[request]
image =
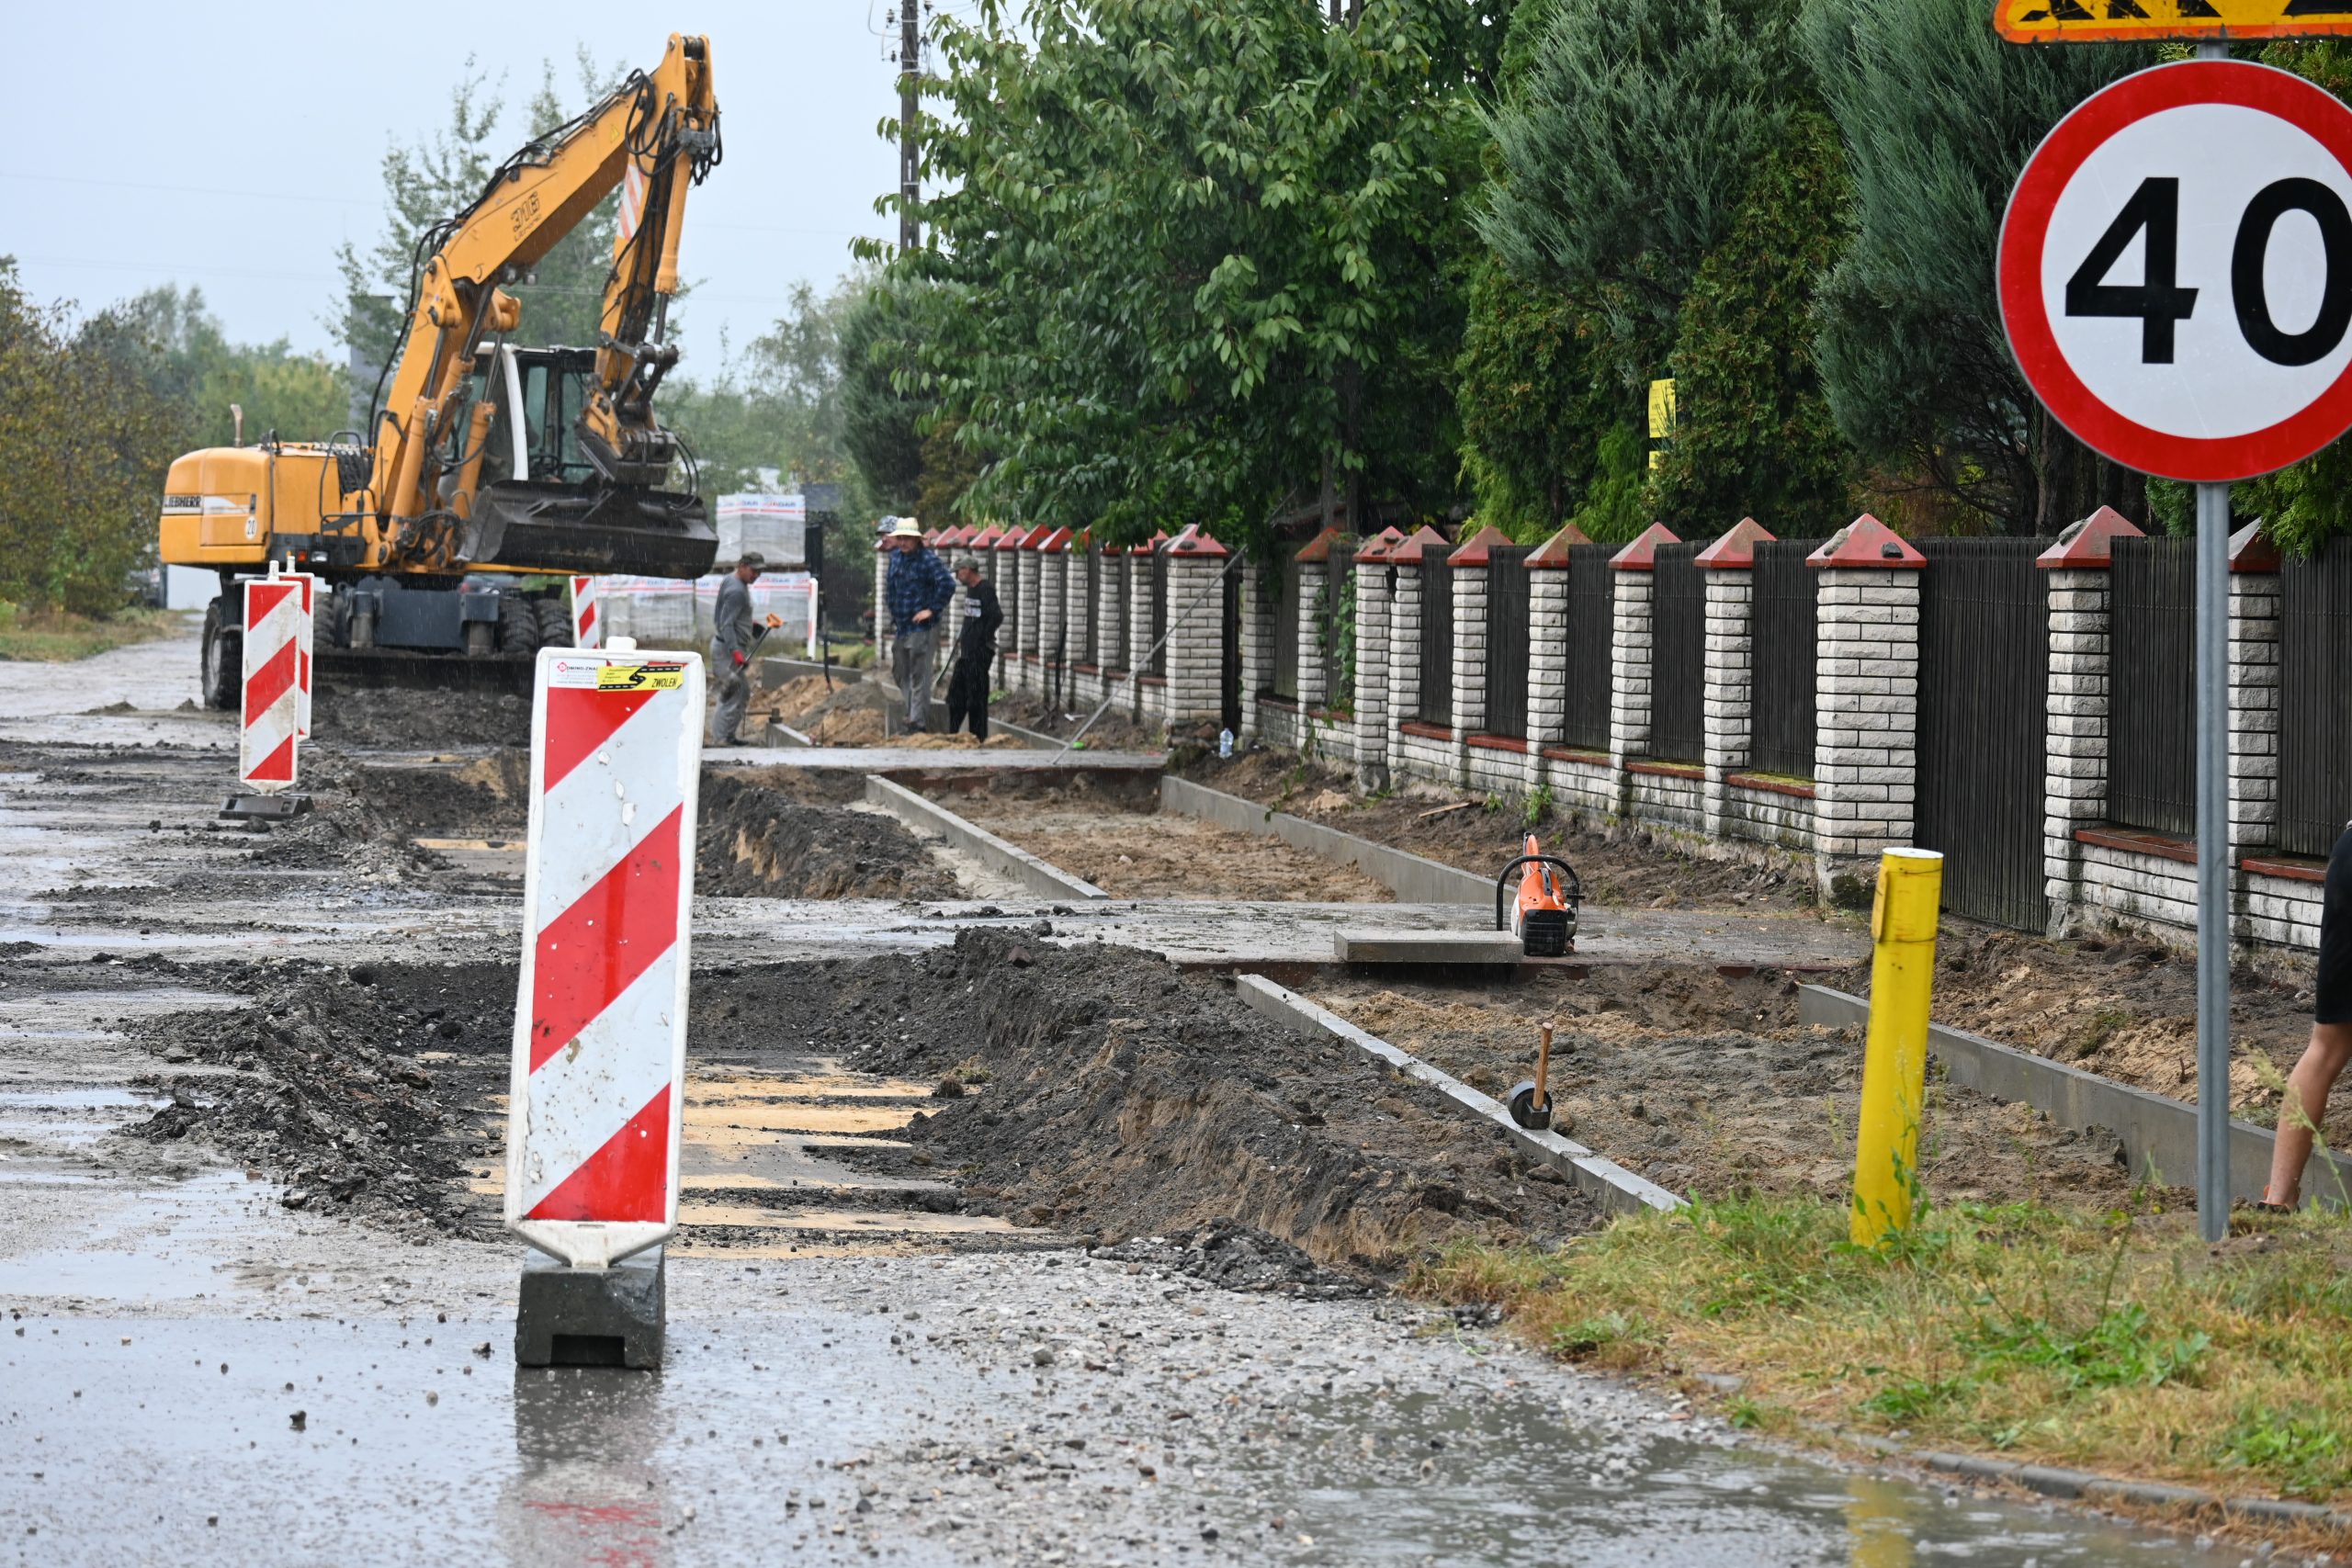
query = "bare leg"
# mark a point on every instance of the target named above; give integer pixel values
(2323, 1060)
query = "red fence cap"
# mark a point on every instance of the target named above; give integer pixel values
(1869, 544)
(1415, 547)
(1642, 554)
(1738, 547)
(1319, 548)
(2089, 542)
(1010, 539)
(1553, 553)
(2253, 549)
(1478, 548)
(1192, 542)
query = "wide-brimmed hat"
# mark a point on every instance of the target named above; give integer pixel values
(906, 528)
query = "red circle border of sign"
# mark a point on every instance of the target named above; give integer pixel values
(2025, 226)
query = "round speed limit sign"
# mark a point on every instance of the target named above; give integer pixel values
(2175, 270)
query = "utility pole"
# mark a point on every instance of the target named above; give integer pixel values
(909, 150)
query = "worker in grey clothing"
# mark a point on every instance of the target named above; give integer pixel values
(732, 638)
(914, 593)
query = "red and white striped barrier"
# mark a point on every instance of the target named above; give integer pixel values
(277, 629)
(600, 1027)
(585, 631)
(306, 635)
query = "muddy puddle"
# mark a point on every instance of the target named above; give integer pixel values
(1111, 832)
(1707, 1084)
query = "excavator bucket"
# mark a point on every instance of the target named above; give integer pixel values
(536, 526)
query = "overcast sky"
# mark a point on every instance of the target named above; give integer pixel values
(233, 147)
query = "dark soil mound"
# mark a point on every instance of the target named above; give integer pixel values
(756, 841)
(357, 1088)
(349, 827)
(1124, 1099)
(488, 797)
(395, 718)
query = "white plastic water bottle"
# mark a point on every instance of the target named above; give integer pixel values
(1224, 743)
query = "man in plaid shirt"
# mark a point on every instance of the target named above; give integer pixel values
(917, 589)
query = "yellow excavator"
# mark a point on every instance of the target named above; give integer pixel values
(486, 461)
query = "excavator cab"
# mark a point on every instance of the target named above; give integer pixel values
(543, 504)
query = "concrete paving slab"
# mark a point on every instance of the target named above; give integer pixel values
(930, 759)
(1360, 946)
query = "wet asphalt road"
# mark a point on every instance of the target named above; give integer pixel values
(190, 1374)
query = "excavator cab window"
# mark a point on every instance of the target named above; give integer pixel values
(543, 396)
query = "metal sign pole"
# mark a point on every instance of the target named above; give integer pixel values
(2213, 843)
(2213, 861)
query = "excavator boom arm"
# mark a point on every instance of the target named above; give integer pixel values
(651, 138)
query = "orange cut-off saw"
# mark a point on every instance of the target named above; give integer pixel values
(1544, 914)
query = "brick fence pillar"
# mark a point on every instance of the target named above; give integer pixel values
(1196, 566)
(1404, 649)
(1312, 576)
(1019, 613)
(1077, 561)
(1048, 556)
(1630, 648)
(1729, 572)
(2254, 694)
(1374, 644)
(1257, 644)
(2074, 789)
(1110, 612)
(1866, 700)
(1547, 646)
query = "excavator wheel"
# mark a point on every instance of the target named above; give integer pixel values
(518, 626)
(554, 623)
(321, 618)
(221, 669)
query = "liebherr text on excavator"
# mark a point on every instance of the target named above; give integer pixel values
(485, 460)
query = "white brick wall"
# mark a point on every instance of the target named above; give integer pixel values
(1373, 728)
(1196, 640)
(1053, 573)
(1110, 611)
(1404, 661)
(1311, 576)
(2074, 771)
(1630, 646)
(1675, 802)
(1729, 678)
(1866, 695)
(2253, 712)
(1470, 648)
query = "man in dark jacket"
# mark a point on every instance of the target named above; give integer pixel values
(968, 684)
(916, 590)
(734, 633)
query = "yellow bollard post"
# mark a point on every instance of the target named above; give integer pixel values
(1894, 1059)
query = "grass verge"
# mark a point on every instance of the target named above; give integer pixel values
(55, 636)
(2110, 1342)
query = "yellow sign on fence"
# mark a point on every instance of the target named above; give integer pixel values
(2095, 21)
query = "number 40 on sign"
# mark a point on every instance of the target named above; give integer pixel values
(2175, 270)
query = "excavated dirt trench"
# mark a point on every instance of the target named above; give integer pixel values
(1708, 1084)
(1114, 835)
(1092, 1092)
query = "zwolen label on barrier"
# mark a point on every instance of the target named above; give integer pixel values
(272, 707)
(600, 1026)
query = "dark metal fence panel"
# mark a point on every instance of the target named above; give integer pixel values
(2152, 687)
(1285, 621)
(1506, 633)
(2316, 700)
(1678, 655)
(1590, 636)
(1335, 627)
(1783, 632)
(1159, 610)
(1089, 639)
(1437, 643)
(1983, 686)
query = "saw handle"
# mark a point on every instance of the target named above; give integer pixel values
(1544, 1065)
(1571, 890)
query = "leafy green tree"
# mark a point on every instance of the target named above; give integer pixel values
(178, 346)
(1534, 390)
(1938, 115)
(1186, 257)
(1753, 432)
(878, 421)
(84, 439)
